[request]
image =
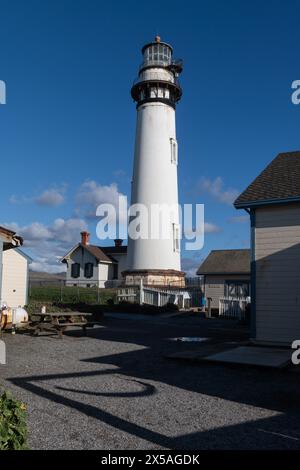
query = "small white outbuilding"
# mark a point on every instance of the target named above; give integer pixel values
(15, 277)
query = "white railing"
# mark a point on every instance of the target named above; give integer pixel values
(154, 296)
(232, 307)
(128, 294)
(161, 297)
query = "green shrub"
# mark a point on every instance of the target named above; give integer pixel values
(13, 430)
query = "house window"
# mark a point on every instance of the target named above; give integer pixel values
(176, 237)
(236, 289)
(88, 270)
(174, 151)
(115, 271)
(75, 270)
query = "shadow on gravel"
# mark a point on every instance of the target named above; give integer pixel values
(278, 391)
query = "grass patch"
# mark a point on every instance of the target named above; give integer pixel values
(71, 294)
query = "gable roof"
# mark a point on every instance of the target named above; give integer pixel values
(97, 252)
(226, 262)
(278, 182)
(9, 238)
(101, 253)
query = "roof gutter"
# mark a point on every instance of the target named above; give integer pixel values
(264, 202)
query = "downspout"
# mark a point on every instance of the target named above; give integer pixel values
(253, 276)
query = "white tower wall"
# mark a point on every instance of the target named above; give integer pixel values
(155, 182)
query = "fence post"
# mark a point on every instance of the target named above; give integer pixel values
(141, 292)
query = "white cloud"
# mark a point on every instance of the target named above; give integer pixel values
(51, 197)
(48, 243)
(216, 189)
(91, 194)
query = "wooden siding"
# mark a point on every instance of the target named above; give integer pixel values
(15, 278)
(277, 256)
(215, 286)
(82, 256)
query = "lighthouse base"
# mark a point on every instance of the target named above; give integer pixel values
(154, 277)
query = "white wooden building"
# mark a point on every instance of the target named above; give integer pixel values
(15, 279)
(273, 202)
(91, 265)
(8, 241)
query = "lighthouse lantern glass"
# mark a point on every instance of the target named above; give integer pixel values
(159, 54)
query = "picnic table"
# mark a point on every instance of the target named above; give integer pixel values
(59, 322)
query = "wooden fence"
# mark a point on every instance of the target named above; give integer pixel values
(232, 307)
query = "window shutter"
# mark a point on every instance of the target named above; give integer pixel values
(88, 270)
(75, 270)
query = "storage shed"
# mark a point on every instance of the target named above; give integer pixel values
(15, 277)
(273, 202)
(226, 274)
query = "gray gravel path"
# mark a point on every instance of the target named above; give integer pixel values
(115, 389)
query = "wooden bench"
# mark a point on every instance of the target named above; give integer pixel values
(59, 322)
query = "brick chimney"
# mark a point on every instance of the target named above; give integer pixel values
(85, 238)
(118, 242)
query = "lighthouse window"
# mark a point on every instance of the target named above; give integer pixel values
(176, 237)
(174, 151)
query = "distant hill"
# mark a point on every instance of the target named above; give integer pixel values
(41, 276)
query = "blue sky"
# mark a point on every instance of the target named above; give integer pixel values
(67, 130)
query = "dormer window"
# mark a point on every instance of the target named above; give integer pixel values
(88, 270)
(174, 151)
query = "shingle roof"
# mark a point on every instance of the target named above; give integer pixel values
(279, 181)
(97, 252)
(226, 262)
(114, 250)
(101, 253)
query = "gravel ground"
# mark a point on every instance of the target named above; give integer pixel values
(115, 389)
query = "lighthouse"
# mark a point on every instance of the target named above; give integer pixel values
(156, 259)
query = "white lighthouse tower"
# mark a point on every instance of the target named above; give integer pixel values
(154, 184)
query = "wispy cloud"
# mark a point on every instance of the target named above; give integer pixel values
(239, 219)
(119, 173)
(209, 227)
(217, 190)
(49, 197)
(190, 265)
